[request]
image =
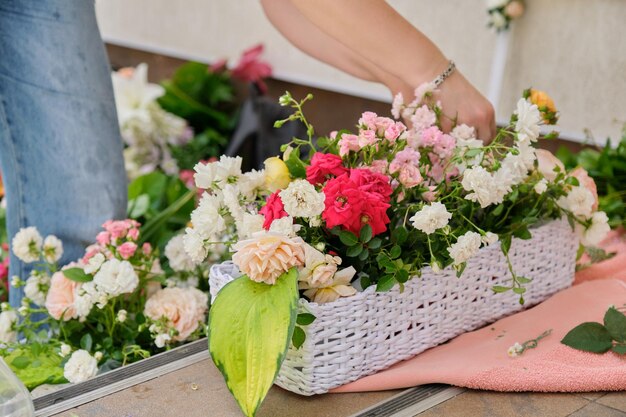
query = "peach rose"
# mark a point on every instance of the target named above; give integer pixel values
(514, 9)
(184, 309)
(60, 298)
(586, 181)
(266, 256)
(547, 162)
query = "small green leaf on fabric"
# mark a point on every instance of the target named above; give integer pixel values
(590, 337)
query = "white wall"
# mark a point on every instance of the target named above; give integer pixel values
(574, 49)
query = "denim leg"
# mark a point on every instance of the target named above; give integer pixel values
(60, 146)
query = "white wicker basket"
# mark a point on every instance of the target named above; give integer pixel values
(360, 335)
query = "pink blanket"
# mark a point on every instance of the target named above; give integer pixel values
(479, 359)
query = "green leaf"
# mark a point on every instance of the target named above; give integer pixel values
(298, 338)
(364, 255)
(385, 283)
(295, 165)
(522, 233)
(49, 370)
(619, 349)
(348, 238)
(250, 327)
(395, 252)
(399, 235)
(519, 290)
(500, 288)
(590, 337)
(354, 251)
(374, 243)
(402, 276)
(86, 342)
(523, 280)
(21, 362)
(473, 152)
(305, 319)
(77, 275)
(366, 233)
(615, 323)
(505, 244)
(498, 210)
(137, 207)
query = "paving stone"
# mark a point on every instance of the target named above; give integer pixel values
(615, 400)
(490, 404)
(591, 396)
(597, 410)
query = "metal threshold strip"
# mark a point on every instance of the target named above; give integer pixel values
(411, 402)
(121, 378)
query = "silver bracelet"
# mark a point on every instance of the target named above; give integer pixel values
(445, 74)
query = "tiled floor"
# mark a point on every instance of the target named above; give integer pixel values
(199, 390)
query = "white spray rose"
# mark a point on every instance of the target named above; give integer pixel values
(27, 244)
(116, 277)
(431, 218)
(465, 247)
(81, 367)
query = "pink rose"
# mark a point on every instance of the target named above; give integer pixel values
(379, 165)
(133, 234)
(103, 238)
(348, 142)
(251, 68)
(61, 296)
(547, 163)
(372, 182)
(410, 176)
(368, 120)
(117, 229)
(273, 209)
(324, 166)
(184, 308)
(127, 249)
(393, 132)
(146, 249)
(586, 181)
(367, 138)
(407, 156)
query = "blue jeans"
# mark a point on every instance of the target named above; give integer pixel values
(60, 145)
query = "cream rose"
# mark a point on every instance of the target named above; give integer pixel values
(61, 297)
(319, 269)
(184, 309)
(266, 256)
(586, 181)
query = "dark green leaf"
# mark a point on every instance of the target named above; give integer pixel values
(364, 255)
(505, 244)
(304, 319)
(590, 337)
(86, 342)
(399, 235)
(402, 276)
(522, 233)
(395, 252)
(619, 349)
(498, 210)
(295, 165)
(615, 323)
(298, 338)
(374, 243)
(348, 238)
(77, 275)
(385, 283)
(354, 251)
(366, 233)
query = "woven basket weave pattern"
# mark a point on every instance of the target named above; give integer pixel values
(360, 335)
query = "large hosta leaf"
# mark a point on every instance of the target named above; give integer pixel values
(250, 328)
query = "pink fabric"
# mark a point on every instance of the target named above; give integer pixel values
(479, 359)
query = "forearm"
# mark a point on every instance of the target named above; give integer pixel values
(385, 32)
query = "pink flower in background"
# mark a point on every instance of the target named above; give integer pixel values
(347, 143)
(410, 176)
(407, 156)
(393, 132)
(380, 166)
(133, 233)
(183, 308)
(219, 65)
(273, 209)
(430, 137)
(146, 248)
(368, 119)
(127, 249)
(103, 238)
(251, 69)
(445, 146)
(423, 118)
(367, 138)
(4, 270)
(430, 195)
(324, 166)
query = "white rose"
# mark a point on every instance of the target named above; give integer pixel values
(541, 186)
(8, 319)
(27, 244)
(490, 238)
(94, 263)
(205, 174)
(35, 288)
(65, 350)
(250, 224)
(121, 316)
(528, 120)
(161, 339)
(465, 247)
(284, 226)
(175, 253)
(319, 269)
(431, 217)
(206, 218)
(116, 277)
(194, 245)
(482, 186)
(52, 249)
(595, 233)
(81, 367)
(302, 200)
(579, 201)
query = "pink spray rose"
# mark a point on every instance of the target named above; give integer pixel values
(60, 298)
(586, 181)
(127, 249)
(103, 238)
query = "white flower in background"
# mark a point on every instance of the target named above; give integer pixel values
(122, 315)
(116, 277)
(23, 310)
(541, 186)
(465, 247)
(65, 350)
(319, 269)
(98, 356)
(431, 217)
(579, 201)
(177, 257)
(205, 175)
(8, 318)
(133, 93)
(496, 4)
(466, 137)
(206, 218)
(161, 339)
(302, 200)
(52, 249)
(27, 244)
(250, 224)
(424, 89)
(482, 186)
(81, 367)
(36, 287)
(497, 19)
(194, 245)
(251, 183)
(338, 287)
(490, 238)
(230, 195)
(228, 169)
(595, 233)
(528, 120)
(284, 226)
(94, 263)
(515, 350)
(396, 105)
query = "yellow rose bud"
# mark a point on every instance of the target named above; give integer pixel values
(546, 105)
(276, 174)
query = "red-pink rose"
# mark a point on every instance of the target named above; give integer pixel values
(127, 249)
(273, 209)
(344, 203)
(372, 182)
(323, 167)
(374, 214)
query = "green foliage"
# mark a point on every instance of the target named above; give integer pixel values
(599, 338)
(36, 364)
(250, 327)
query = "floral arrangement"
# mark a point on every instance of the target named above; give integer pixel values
(374, 207)
(171, 126)
(103, 311)
(503, 12)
